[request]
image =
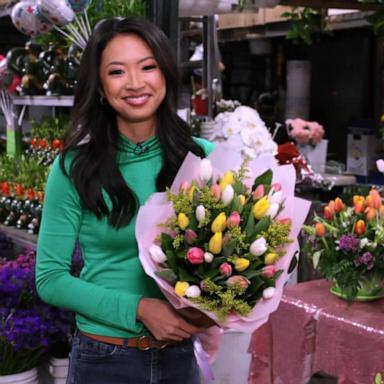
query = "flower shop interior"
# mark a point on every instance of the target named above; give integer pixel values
(300, 81)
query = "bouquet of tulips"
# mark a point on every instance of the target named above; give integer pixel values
(222, 241)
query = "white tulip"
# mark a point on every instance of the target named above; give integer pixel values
(258, 247)
(205, 172)
(193, 291)
(276, 197)
(200, 213)
(157, 254)
(268, 293)
(208, 257)
(272, 210)
(380, 165)
(227, 195)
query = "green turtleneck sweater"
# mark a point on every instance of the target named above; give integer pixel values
(112, 281)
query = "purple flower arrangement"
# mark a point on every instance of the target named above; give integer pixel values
(29, 328)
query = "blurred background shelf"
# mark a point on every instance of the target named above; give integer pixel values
(19, 236)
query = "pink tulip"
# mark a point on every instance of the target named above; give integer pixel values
(225, 269)
(216, 192)
(276, 187)
(233, 220)
(268, 271)
(190, 236)
(184, 187)
(195, 255)
(259, 192)
(238, 281)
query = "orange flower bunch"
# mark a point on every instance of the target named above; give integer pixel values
(347, 242)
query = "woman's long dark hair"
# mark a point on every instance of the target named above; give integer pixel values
(94, 136)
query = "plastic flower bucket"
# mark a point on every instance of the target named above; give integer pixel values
(27, 377)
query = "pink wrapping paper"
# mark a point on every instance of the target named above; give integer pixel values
(157, 210)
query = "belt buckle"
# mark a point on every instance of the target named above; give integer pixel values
(146, 340)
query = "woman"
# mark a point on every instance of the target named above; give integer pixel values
(127, 143)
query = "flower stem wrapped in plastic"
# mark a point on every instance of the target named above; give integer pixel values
(222, 238)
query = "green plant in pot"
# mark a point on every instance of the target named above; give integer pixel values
(346, 244)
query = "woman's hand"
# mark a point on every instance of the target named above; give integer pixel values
(196, 317)
(162, 320)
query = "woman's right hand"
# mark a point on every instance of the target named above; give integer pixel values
(162, 320)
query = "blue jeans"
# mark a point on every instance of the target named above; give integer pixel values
(93, 362)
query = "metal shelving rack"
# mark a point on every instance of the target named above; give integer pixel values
(19, 236)
(44, 101)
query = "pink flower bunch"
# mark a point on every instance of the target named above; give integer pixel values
(305, 132)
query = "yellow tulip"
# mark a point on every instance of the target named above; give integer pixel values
(181, 288)
(242, 199)
(191, 193)
(241, 264)
(219, 224)
(260, 208)
(216, 243)
(270, 258)
(227, 179)
(182, 220)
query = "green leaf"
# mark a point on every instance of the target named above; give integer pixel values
(229, 247)
(265, 178)
(184, 275)
(262, 225)
(238, 187)
(181, 253)
(167, 275)
(316, 258)
(250, 225)
(172, 260)
(166, 242)
(217, 261)
(249, 274)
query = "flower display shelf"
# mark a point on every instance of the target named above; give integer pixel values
(341, 4)
(19, 236)
(49, 101)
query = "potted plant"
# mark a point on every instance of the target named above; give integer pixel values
(29, 328)
(346, 244)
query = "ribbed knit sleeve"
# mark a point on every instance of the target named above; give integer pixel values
(59, 231)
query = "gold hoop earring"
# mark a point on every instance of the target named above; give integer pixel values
(103, 100)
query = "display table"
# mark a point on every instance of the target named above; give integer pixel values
(313, 331)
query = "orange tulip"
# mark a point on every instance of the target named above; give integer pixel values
(374, 199)
(370, 213)
(339, 205)
(328, 214)
(360, 227)
(359, 203)
(320, 229)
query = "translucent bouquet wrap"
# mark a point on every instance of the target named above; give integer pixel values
(222, 238)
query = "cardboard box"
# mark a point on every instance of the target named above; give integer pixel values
(241, 19)
(273, 15)
(362, 151)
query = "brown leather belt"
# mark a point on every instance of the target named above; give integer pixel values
(143, 342)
